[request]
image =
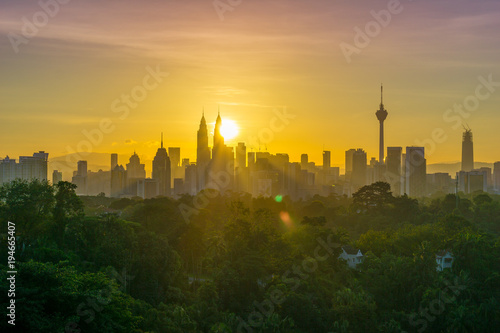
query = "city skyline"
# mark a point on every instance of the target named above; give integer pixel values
(250, 71)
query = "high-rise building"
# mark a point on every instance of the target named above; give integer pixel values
(80, 178)
(202, 154)
(496, 176)
(359, 167)
(162, 171)
(28, 168)
(241, 155)
(114, 161)
(467, 151)
(348, 163)
(393, 174)
(175, 163)
(416, 172)
(118, 181)
(221, 169)
(56, 177)
(304, 160)
(381, 116)
(135, 172)
(472, 181)
(326, 160)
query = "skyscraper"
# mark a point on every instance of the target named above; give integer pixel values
(56, 177)
(467, 151)
(114, 161)
(348, 162)
(496, 176)
(326, 160)
(416, 172)
(381, 116)
(176, 171)
(161, 170)
(393, 174)
(135, 172)
(359, 167)
(202, 154)
(80, 178)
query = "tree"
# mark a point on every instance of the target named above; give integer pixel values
(374, 197)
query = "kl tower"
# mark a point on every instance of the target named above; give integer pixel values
(381, 115)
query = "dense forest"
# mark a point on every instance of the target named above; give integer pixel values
(233, 263)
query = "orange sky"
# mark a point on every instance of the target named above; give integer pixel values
(264, 56)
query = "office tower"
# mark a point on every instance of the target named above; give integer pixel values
(148, 188)
(178, 187)
(304, 160)
(488, 172)
(359, 167)
(118, 181)
(393, 165)
(33, 167)
(9, 170)
(56, 177)
(202, 154)
(381, 116)
(467, 151)
(241, 155)
(175, 163)
(416, 170)
(496, 176)
(190, 174)
(348, 163)
(161, 170)
(114, 161)
(80, 178)
(185, 163)
(472, 181)
(222, 163)
(82, 168)
(326, 160)
(135, 172)
(251, 160)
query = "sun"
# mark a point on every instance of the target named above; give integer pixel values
(229, 129)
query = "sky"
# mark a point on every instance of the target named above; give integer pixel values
(319, 62)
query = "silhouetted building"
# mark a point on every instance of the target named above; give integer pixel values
(178, 187)
(148, 188)
(440, 182)
(202, 154)
(135, 172)
(114, 161)
(393, 169)
(467, 151)
(326, 159)
(118, 181)
(304, 160)
(381, 116)
(496, 175)
(56, 177)
(348, 162)
(99, 182)
(221, 169)
(161, 170)
(80, 178)
(359, 167)
(472, 181)
(175, 163)
(190, 175)
(28, 168)
(416, 171)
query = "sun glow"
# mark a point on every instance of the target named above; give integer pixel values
(229, 129)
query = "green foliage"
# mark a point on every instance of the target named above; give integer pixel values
(239, 263)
